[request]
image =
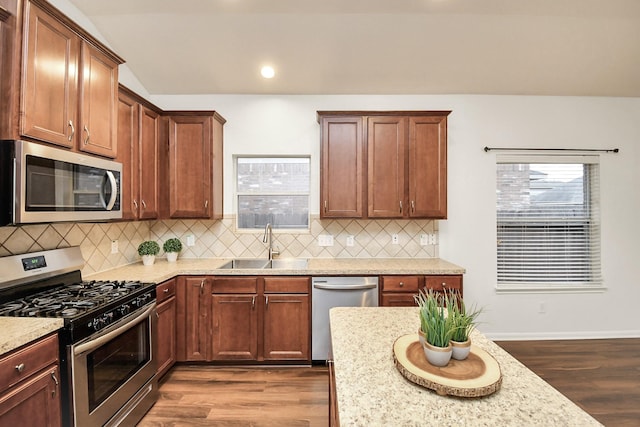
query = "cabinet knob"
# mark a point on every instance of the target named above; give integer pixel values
(401, 284)
(20, 367)
(444, 285)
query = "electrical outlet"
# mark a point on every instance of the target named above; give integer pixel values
(394, 239)
(351, 240)
(191, 240)
(114, 246)
(432, 239)
(325, 240)
(424, 240)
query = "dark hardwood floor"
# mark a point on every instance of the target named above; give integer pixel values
(201, 395)
(600, 376)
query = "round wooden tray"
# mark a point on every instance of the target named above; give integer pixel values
(478, 375)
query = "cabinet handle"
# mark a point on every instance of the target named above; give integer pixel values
(20, 368)
(86, 129)
(266, 301)
(166, 291)
(401, 284)
(144, 205)
(325, 206)
(253, 302)
(55, 380)
(400, 206)
(444, 285)
(73, 131)
(202, 287)
(206, 204)
(135, 204)
(413, 206)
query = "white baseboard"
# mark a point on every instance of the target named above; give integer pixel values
(532, 336)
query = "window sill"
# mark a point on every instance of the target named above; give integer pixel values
(550, 289)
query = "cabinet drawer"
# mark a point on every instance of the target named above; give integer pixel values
(291, 285)
(397, 300)
(441, 283)
(400, 283)
(165, 290)
(234, 285)
(27, 361)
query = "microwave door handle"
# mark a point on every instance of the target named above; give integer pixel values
(114, 190)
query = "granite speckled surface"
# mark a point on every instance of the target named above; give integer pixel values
(17, 332)
(163, 270)
(371, 391)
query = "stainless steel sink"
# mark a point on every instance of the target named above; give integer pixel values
(262, 263)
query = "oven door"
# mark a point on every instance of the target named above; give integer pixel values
(113, 373)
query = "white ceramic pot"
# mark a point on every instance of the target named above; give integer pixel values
(437, 356)
(461, 350)
(421, 337)
(148, 259)
(172, 256)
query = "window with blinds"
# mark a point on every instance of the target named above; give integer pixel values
(548, 224)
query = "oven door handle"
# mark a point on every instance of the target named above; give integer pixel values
(95, 343)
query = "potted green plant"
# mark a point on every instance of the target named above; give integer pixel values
(437, 327)
(148, 251)
(172, 247)
(463, 320)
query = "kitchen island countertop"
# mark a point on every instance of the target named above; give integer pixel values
(163, 270)
(371, 391)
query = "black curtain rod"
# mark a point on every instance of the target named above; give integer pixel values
(610, 150)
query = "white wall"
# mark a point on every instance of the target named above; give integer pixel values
(287, 124)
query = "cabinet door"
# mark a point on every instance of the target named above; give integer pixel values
(428, 167)
(194, 315)
(98, 102)
(128, 155)
(342, 167)
(166, 338)
(49, 106)
(190, 158)
(34, 402)
(235, 327)
(286, 327)
(386, 144)
(148, 162)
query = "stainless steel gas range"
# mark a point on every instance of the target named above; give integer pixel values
(106, 344)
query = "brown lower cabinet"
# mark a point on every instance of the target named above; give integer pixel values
(398, 290)
(244, 318)
(30, 385)
(166, 337)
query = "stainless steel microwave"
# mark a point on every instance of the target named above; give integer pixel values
(40, 183)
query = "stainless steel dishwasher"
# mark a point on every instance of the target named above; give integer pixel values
(329, 292)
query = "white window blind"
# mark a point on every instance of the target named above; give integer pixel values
(548, 224)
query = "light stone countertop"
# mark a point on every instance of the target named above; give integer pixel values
(163, 270)
(18, 331)
(371, 391)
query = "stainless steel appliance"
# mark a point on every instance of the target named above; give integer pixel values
(106, 345)
(40, 183)
(329, 292)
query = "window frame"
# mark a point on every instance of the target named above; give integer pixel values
(237, 194)
(592, 189)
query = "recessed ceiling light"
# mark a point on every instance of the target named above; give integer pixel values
(267, 72)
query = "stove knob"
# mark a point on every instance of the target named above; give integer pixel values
(98, 324)
(125, 309)
(107, 318)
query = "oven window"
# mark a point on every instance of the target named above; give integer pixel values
(111, 365)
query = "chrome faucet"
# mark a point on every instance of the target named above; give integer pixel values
(268, 237)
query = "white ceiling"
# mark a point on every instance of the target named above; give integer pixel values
(532, 47)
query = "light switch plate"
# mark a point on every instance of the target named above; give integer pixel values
(114, 246)
(424, 239)
(351, 240)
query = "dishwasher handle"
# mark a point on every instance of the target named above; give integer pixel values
(343, 287)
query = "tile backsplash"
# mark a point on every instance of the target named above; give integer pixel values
(219, 238)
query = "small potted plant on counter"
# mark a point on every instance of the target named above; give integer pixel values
(172, 247)
(463, 320)
(437, 326)
(148, 251)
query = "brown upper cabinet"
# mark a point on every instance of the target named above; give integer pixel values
(138, 145)
(392, 162)
(195, 164)
(68, 83)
